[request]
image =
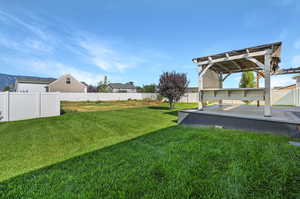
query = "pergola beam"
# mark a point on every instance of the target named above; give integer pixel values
(226, 76)
(223, 67)
(258, 63)
(203, 71)
(230, 58)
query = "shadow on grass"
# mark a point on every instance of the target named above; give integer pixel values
(159, 107)
(170, 111)
(105, 161)
(148, 164)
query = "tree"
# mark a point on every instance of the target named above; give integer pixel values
(92, 89)
(139, 89)
(6, 88)
(247, 81)
(130, 83)
(172, 85)
(151, 88)
(102, 88)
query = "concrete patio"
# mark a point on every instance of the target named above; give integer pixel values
(285, 120)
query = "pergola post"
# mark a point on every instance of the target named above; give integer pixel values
(267, 68)
(220, 86)
(200, 87)
(257, 86)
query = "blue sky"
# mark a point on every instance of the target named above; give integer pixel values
(136, 41)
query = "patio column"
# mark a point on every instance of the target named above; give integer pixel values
(267, 68)
(220, 86)
(200, 87)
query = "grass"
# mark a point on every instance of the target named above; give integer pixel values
(142, 153)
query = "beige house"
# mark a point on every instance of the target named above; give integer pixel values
(67, 83)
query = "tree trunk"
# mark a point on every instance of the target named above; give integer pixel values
(171, 104)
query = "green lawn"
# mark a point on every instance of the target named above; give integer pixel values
(142, 153)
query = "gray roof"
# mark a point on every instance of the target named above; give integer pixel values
(121, 86)
(35, 80)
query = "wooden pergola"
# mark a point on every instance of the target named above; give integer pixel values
(214, 69)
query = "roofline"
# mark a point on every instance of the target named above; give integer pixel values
(67, 75)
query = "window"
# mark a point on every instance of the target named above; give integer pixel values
(68, 80)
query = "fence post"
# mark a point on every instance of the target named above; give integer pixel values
(8, 106)
(40, 103)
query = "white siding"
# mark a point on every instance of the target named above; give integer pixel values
(117, 90)
(26, 87)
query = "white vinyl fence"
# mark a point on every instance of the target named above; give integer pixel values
(279, 97)
(75, 97)
(21, 106)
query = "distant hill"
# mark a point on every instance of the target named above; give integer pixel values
(9, 80)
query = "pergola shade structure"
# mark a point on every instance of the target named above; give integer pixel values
(214, 69)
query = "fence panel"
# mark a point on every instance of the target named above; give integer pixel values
(73, 97)
(4, 106)
(50, 104)
(279, 97)
(23, 106)
(20, 106)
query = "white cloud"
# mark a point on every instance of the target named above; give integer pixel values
(57, 69)
(107, 58)
(38, 46)
(10, 19)
(52, 68)
(42, 50)
(30, 46)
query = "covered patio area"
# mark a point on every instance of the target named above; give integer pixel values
(213, 70)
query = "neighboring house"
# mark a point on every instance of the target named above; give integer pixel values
(192, 90)
(121, 88)
(67, 83)
(32, 84)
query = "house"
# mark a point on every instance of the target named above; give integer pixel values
(32, 84)
(192, 90)
(121, 88)
(66, 83)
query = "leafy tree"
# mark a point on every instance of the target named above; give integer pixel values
(130, 83)
(151, 88)
(92, 89)
(247, 81)
(139, 89)
(6, 88)
(172, 85)
(102, 87)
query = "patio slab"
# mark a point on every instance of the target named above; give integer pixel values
(284, 121)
